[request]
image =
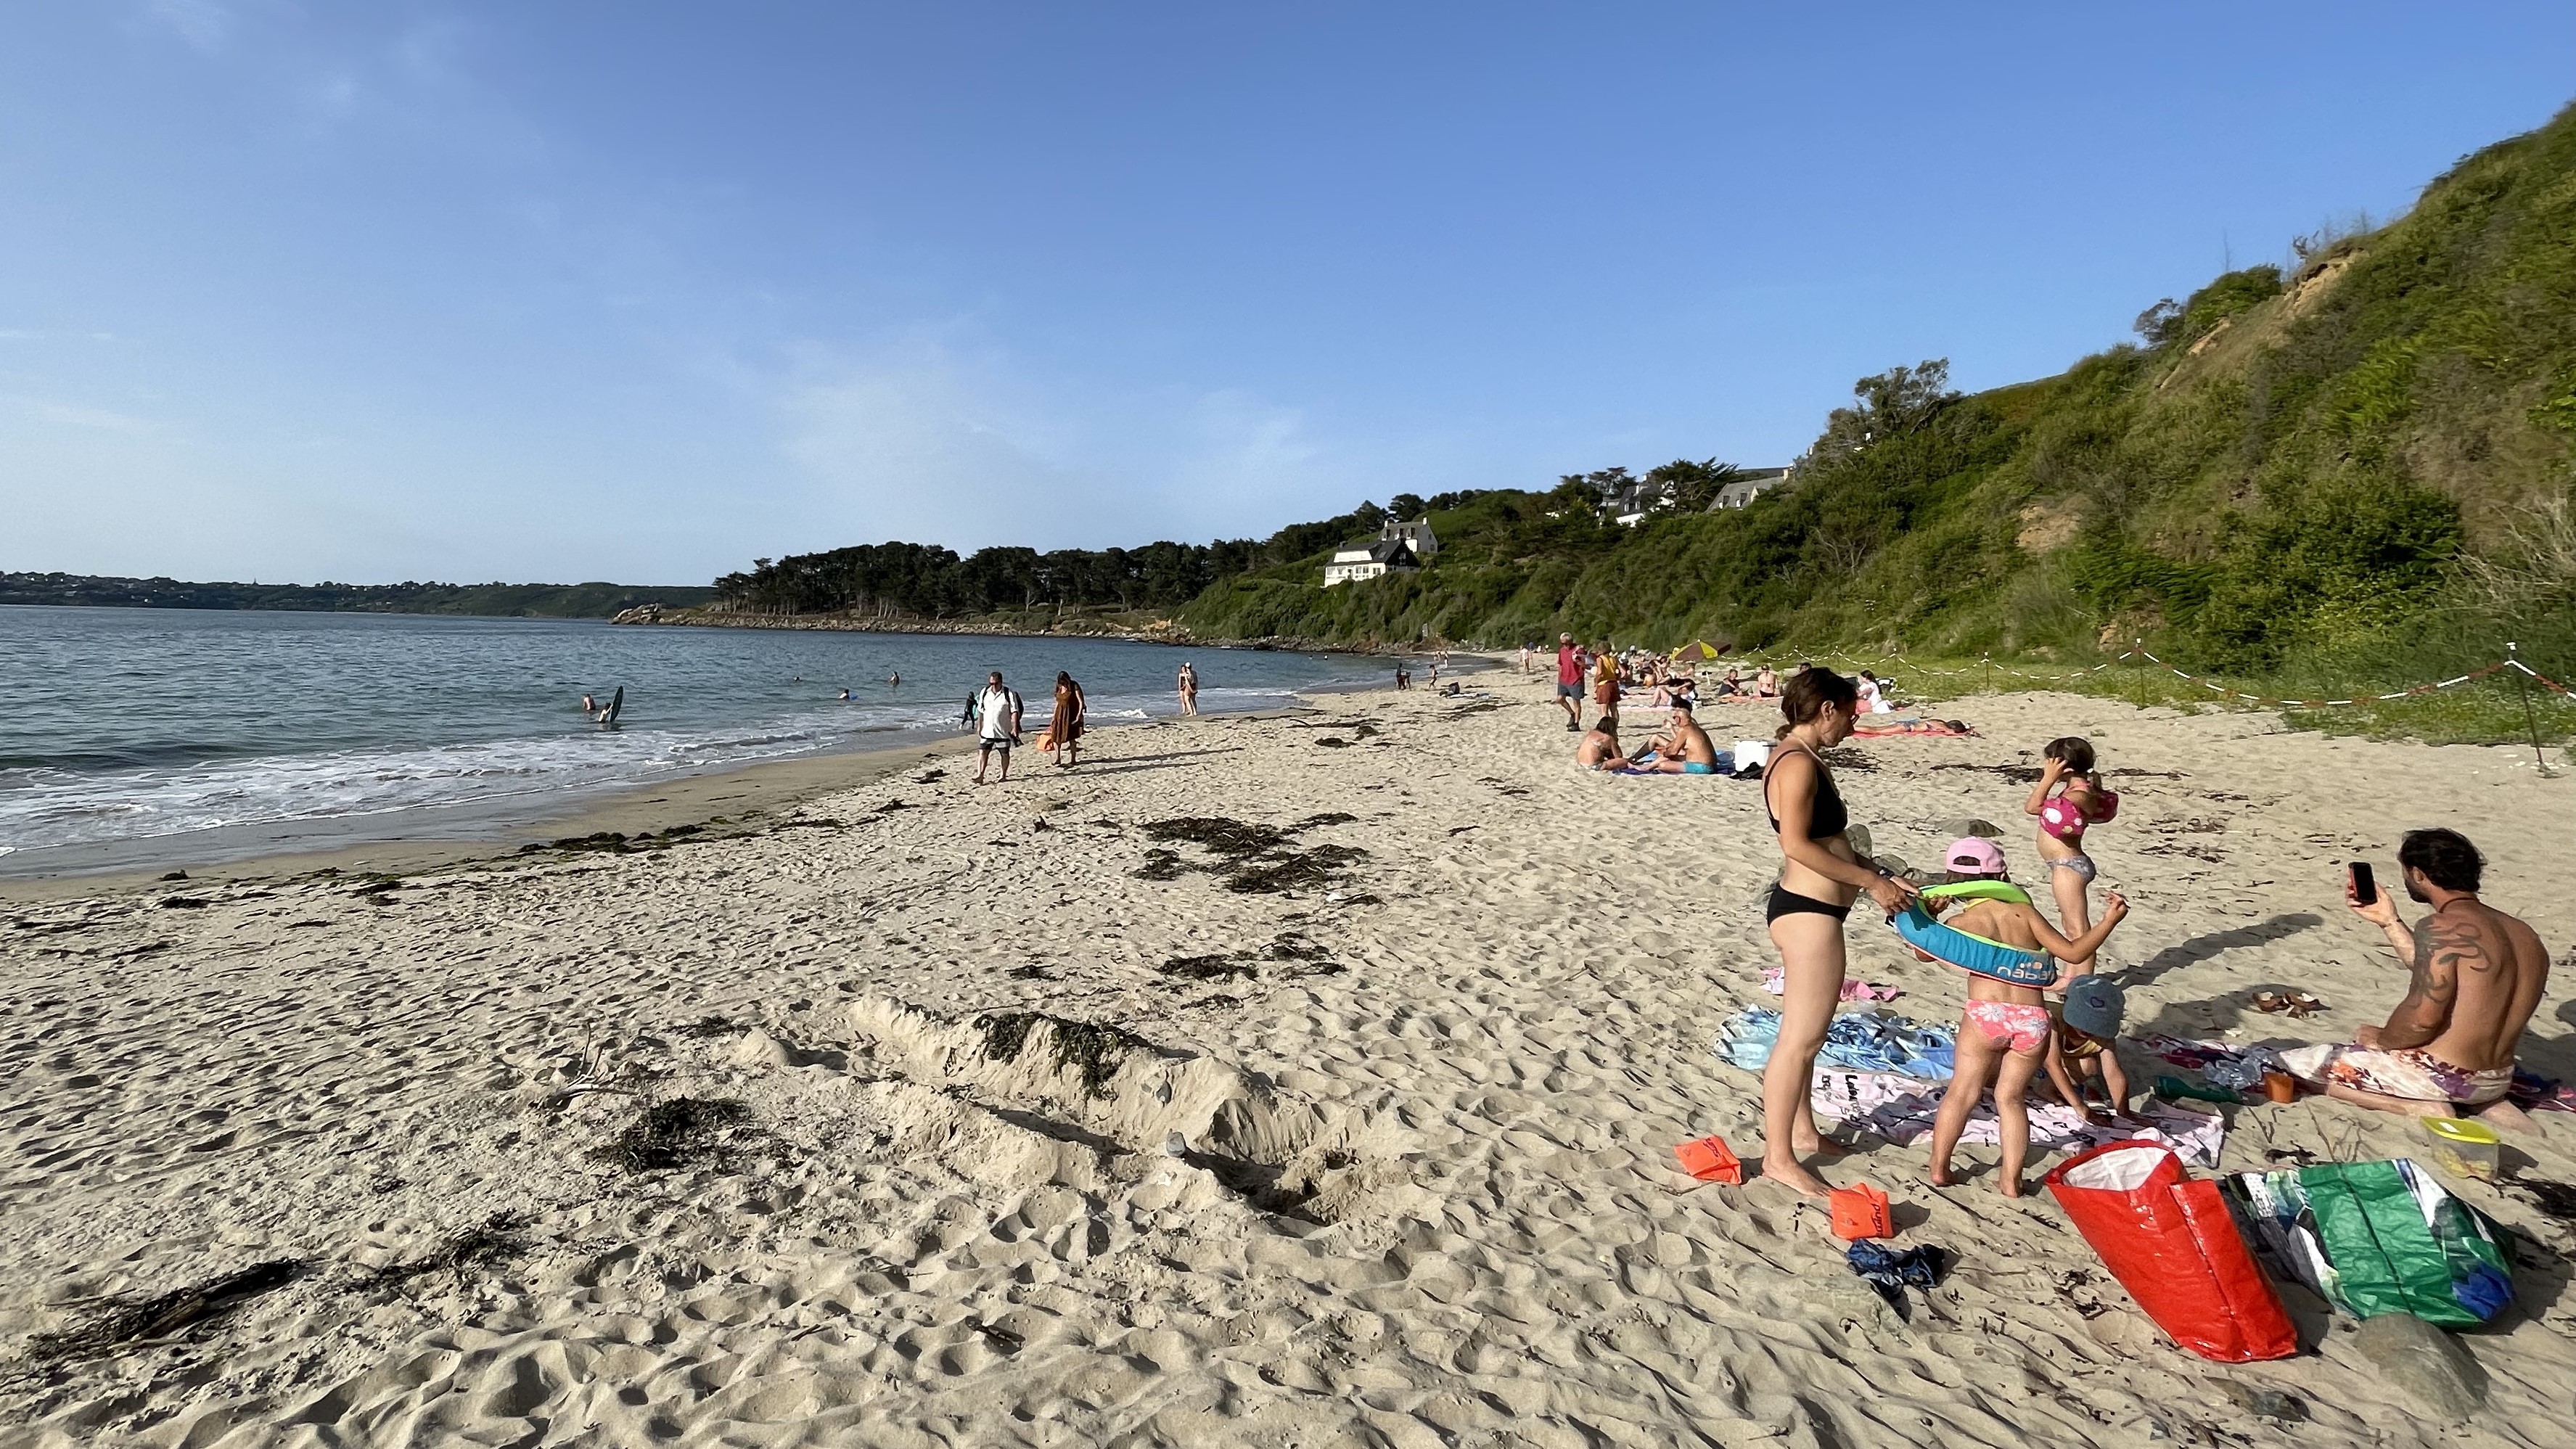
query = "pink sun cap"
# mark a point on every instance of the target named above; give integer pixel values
(1973, 855)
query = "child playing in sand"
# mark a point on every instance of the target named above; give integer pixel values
(2069, 797)
(2004, 1034)
(2086, 1050)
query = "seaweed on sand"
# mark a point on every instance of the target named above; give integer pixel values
(1088, 1047)
(1219, 967)
(1310, 869)
(1232, 839)
(1252, 858)
(674, 1133)
(491, 1242)
(133, 1321)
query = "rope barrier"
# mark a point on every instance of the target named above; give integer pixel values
(2140, 651)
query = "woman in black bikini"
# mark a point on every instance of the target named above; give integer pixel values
(1820, 877)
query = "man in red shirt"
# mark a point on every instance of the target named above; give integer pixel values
(1569, 681)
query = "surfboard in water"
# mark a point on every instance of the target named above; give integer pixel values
(616, 702)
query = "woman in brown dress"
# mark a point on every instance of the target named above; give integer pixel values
(1064, 735)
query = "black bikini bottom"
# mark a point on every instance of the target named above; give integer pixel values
(1786, 902)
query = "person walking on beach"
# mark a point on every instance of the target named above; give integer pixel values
(1064, 732)
(1527, 654)
(994, 711)
(1189, 686)
(1569, 682)
(1821, 875)
(2476, 976)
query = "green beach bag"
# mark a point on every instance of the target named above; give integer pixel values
(2377, 1237)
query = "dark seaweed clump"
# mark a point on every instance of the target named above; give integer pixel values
(1084, 1046)
(132, 1321)
(1252, 858)
(1219, 967)
(1232, 839)
(489, 1243)
(674, 1134)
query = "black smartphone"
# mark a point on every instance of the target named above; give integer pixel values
(2365, 890)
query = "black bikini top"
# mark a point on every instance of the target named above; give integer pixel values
(1828, 818)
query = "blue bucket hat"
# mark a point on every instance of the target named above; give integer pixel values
(2095, 1004)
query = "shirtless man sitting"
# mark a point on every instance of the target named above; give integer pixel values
(2477, 977)
(1682, 749)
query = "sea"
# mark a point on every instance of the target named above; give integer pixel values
(134, 735)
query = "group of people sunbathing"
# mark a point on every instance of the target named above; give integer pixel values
(2477, 974)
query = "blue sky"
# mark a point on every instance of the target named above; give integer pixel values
(559, 291)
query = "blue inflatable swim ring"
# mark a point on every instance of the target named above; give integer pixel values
(1971, 952)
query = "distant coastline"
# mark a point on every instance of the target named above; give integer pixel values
(1032, 624)
(495, 600)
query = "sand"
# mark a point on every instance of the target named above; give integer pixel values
(1384, 1159)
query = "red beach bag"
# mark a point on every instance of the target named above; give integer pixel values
(2173, 1245)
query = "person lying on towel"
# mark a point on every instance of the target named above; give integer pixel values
(2476, 975)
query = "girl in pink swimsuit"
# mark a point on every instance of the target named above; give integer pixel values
(2069, 797)
(2004, 1033)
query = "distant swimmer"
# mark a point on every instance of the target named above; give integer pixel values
(895, 680)
(845, 694)
(590, 706)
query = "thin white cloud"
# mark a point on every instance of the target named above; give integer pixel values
(71, 415)
(204, 24)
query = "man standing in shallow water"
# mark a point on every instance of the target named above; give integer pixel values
(2477, 976)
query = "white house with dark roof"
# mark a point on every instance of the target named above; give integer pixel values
(1752, 483)
(1397, 546)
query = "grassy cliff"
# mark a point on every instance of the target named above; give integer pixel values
(2352, 469)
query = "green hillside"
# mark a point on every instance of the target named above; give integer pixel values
(2353, 469)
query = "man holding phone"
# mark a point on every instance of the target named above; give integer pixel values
(2478, 975)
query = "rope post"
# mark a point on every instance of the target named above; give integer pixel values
(2530, 720)
(1989, 661)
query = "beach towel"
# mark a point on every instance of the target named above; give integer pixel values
(1775, 981)
(1867, 1041)
(2237, 1068)
(2377, 1237)
(1901, 1110)
(1920, 728)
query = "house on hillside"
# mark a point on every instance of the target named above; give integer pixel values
(1397, 546)
(1417, 533)
(1752, 483)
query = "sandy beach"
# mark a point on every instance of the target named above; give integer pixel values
(916, 1113)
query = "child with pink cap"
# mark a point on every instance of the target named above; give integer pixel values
(2004, 1035)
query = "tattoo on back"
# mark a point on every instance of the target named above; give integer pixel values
(2443, 949)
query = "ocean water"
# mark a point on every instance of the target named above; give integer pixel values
(130, 726)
